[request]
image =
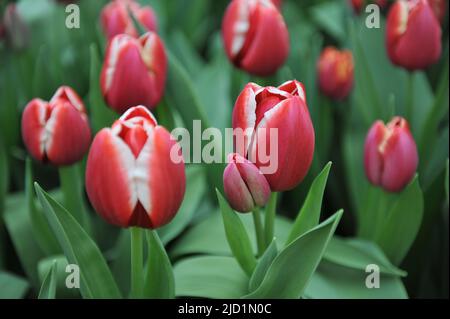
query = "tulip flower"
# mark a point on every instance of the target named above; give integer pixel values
(131, 179)
(255, 36)
(390, 155)
(244, 185)
(335, 72)
(358, 5)
(439, 8)
(277, 3)
(14, 28)
(413, 35)
(259, 110)
(56, 132)
(134, 72)
(115, 18)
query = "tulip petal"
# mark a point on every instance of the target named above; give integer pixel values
(33, 127)
(373, 160)
(236, 190)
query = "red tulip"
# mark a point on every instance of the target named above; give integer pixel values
(58, 131)
(134, 72)
(413, 35)
(390, 155)
(244, 185)
(335, 72)
(439, 8)
(116, 20)
(283, 109)
(255, 36)
(357, 5)
(131, 179)
(277, 3)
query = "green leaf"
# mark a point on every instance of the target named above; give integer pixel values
(329, 16)
(263, 264)
(19, 226)
(195, 191)
(159, 280)
(357, 254)
(80, 249)
(332, 281)
(210, 277)
(48, 288)
(62, 291)
(4, 176)
(193, 241)
(446, 180)
(402, 223)
(309, 215)
(12, 286)
(291, 271)
(41, 230)
(100, 114)
(237, 236)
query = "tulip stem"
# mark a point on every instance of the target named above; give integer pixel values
(410, 99)
(137, 262)
(72, 190)
(258, 231)
(270, 218)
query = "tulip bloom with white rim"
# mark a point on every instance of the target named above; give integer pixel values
(390, 155)
(115, 18)
(130, 177)
(258, 111)
(134, 72)
(413, 34)
(57, 132)
(255, 36)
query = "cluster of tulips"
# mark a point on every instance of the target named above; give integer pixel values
(130, 177)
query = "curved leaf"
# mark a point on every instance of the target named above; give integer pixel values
(263, 264)
(48, 288)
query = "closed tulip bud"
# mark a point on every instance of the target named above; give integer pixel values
(390, 155)
(56, 132)
(244, 185)
(335, 72)
(131, 179)
(134, 72)
(262, 110)
(115, 18)
(413, 35)
(255, 36)
(439, 8)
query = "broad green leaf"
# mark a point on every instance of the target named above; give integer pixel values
(329, 16)
(357, 254)
(19, 226)
(193, 241)
(80, 249)
(195, 191)
(39, 224)
(100, 114)
(402, 223)
(237, 236)
(210, 277)
(12, 286)
(4, 176)
(48, 288)
(331, 281)
(120, 265)
(309, 214)
(159, 279)
(263, 264)
(62, 291)
(291, 271)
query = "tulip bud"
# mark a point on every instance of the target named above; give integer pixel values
(134, 72)
(439, 8)
(390, 155)
(116, 20)
(131, 179)
(255, 36)
(335, 72)
(57, 131)
(245, 186)
(15, 28)
(413, 35)
(262, 110)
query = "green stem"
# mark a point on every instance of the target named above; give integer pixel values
(410, 99)
(270, 219)
(258, 231)
(72, 188)
(137, 262)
